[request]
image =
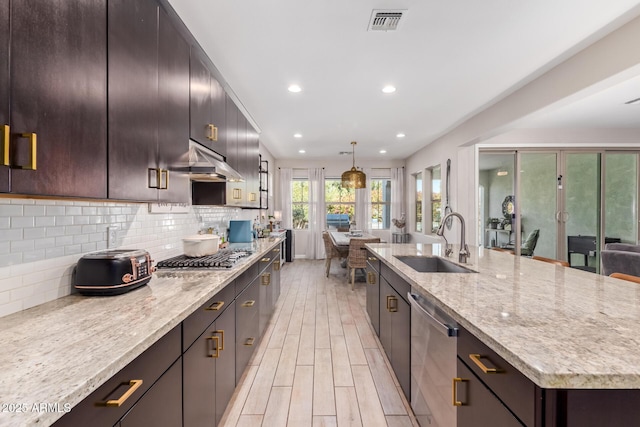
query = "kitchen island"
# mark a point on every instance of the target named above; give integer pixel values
(56, 354)
(560, 342)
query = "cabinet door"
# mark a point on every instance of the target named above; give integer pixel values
(218, 117)
(231, 122)
(247, 325)
(161, 405)
(401, 343)
(209, 372)
(236, 191)
(173, 110)
(4, 94)
(200, 99)
(386, 293)
(133, 99)
(478, 405)
(266, 296)
(373, 297)
(252, 167)
(58, 97)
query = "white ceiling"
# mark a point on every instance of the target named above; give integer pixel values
(448, 60)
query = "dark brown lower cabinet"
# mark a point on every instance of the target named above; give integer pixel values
(478, 405)
(161, 405)
(395, 333)
(247, 325)
(373, 291)
(209, 372)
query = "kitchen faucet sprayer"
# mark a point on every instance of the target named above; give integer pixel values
(464, 249)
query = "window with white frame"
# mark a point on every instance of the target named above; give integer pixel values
(340, 204)
(418, 201)
(300, 203)
(380, 203)
(436, 198)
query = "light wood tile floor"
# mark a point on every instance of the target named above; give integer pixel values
(320, 362)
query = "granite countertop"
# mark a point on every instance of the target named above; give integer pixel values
(561, 327)
(59, 352)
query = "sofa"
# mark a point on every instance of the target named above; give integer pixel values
(620, 258)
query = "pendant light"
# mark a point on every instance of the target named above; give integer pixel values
(354, 178)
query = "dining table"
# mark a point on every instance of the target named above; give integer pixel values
(341, 239)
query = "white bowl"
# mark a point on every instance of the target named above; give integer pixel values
(200, 245)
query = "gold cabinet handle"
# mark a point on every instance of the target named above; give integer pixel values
(153, 178)
(133, 386)
(266, 279)
(221, 332)
(249, 341)
(371, 278)
(372, 258)
(215, 306)
(6, 139)
(249, 303)
(252, 197)
(276, 250)
(163, 184)
(265, 259)
(392, 308)
(276, 265)
(475, 358)
(454, 387)
(213, 132)
(216, 346)
(237, 193)
(33, 141)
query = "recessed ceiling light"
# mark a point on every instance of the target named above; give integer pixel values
(633, 101)
(297, 135)
(400, 135)
(388, 89)
(383, 151)
(295, 88)
(301, 151)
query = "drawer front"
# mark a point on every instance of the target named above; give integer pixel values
(266, 260)
(512, 387)
(247, 277)
(148, 367)
(373, 261)
(247, 305)
(197, 322)
(396, 282)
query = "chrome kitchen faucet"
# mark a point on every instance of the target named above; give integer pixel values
(464, 249)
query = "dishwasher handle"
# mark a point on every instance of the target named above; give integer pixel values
(450, 331)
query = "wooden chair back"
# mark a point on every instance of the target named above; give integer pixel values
(627, 277)
(357, 251)
(551, 261)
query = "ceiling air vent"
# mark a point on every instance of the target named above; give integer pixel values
(345, 153)
(385, 20)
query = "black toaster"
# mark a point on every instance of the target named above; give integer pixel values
(113, 272)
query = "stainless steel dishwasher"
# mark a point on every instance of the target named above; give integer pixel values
(433, 363)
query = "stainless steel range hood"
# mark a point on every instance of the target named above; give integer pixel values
(203, 165)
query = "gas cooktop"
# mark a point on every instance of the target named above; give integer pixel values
(225, 258)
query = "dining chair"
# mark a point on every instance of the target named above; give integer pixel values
(358, 256)
(627, 277)
(551, 261)
(331, 251)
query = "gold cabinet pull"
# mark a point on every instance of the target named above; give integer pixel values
(6, 139)
(216, 346)
(392, 308)
(252, 197)
(163, 179)
(372, 258)
(33, 141)
(266, 279)
(265, 259)
(454, 387)
(133, 386)
(249, 303)
(221, 332)
(276, 265)
(213, 133)
(276, 250)
(249, 341)
(237, 194)
(153, 178)
(215, 306)
(371, 278)
(475, 358)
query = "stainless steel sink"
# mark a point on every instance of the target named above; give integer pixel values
(432, 264)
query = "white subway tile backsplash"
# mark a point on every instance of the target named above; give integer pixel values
(42, 240)
(35, 210)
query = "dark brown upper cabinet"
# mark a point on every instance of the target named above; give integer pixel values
(57, 113)
(208, 104)
(145, 101)
(4, 95)
(173, 114)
